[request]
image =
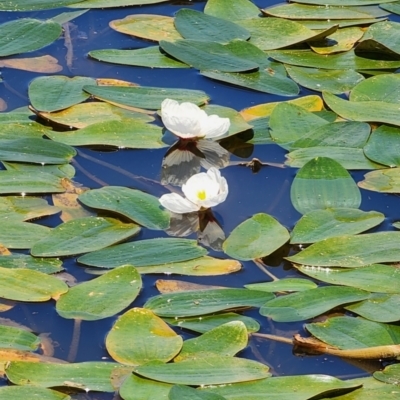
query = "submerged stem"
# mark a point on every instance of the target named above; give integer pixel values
(73, 350)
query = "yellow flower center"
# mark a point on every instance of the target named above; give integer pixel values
(201, 194)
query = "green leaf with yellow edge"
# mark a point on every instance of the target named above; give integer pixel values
(61, 92)
(283, 285)
(205, 371)
(151, 57)
(26, 130)
(318, 225)
(115, 3)
(17, 338)
(343, 39)
(207, 322)
(135, 387)
(232, 11)
(380, 307)
(323, 183)
(261, 81)
(129, 133)
(83, 235)
(308, 304)
(349, 158)
(179, 392)
(26, 392)
(45, 265)
(224, 340)
(346, 60)
(153, 340)
(354, 333)
(14, 34)
(199, 302)
(92, 375)
(303, 11)
(301, 387)
(140, 253)
(351, 251)
(334, 81)
(82, 115)
(390, 374)
(374, 278)
(310, 103)
(136, 205)
(28, 285)
(101, 297)
(29, 182)
(145, 97)
(147, 26)
(385, 35)
(256, 237)
(192, 24)
(275, 33)
(384, 181)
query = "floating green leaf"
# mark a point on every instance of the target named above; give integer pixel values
(342, 2)
(28, 285)
(210, 55)
(27, 34)
(385, 34)
(310, 303)
(68, 16)
(283, 285)
(341, 23)
(31, 5)
(322, 224)
(208, 371)
(385, 181)
(390, 374)
(350, 251)
(83, 235)
(179, 392)
(256, 237)
(224, 340)
(192, 24)
(26, 392)
(135, 387)
(17, 338)
(354, 333)
(145, 97)
(207, 322)
(115, 3)
(145, 253)
(101, 297)
(334, 81)
(201, 302)
(232, 11)
(138, 206)
(45, 265)
(59, 171)
(323, 183)
(85, 375)
(153, 340)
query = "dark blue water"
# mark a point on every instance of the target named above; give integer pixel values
(267, 191)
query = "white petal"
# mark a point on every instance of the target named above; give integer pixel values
(199, 184)
(214, 126)
(177, 204)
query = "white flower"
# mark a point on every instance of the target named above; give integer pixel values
(188, 121)
(203, 190)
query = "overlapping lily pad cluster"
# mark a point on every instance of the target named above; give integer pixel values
(343, 49)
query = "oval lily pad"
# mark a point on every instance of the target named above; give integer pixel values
(24, 392)
(283, 285)
(385, 34)
(179, 392)
(136, 205)
(256, 237)
(232, 11)
(323, 183)
(384, 181)
(101, 297)
(83, 235)
(135, 387)
(153, 340)
(45, 265)
(31, 5)
(205, 371)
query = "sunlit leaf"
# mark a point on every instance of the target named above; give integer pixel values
(383, 87)
(179, 392)
(256, 237)
(283, 285)
(341, 23)
(385, 34)
(342, 2)
(323, 183)
(199, 302)
(145, 253)
(86, 375)
(31, 5)
(350, 251)
(321, 224)
(25, 392)
(115, 3)
(207, 322)
(334, 81)
(145, 97)
(45, 265)
(14, 34)
(43, 64)
(153, 340)
(390, 374)
(310, 303)
(101, 297)
(385, 181)
(61, 92)
(83, 235)
(232, 11)
(42, 287)
(342, 40)
(135, 387)
(147, 26)
(208, 371)
(394, 7)
(16, 338)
